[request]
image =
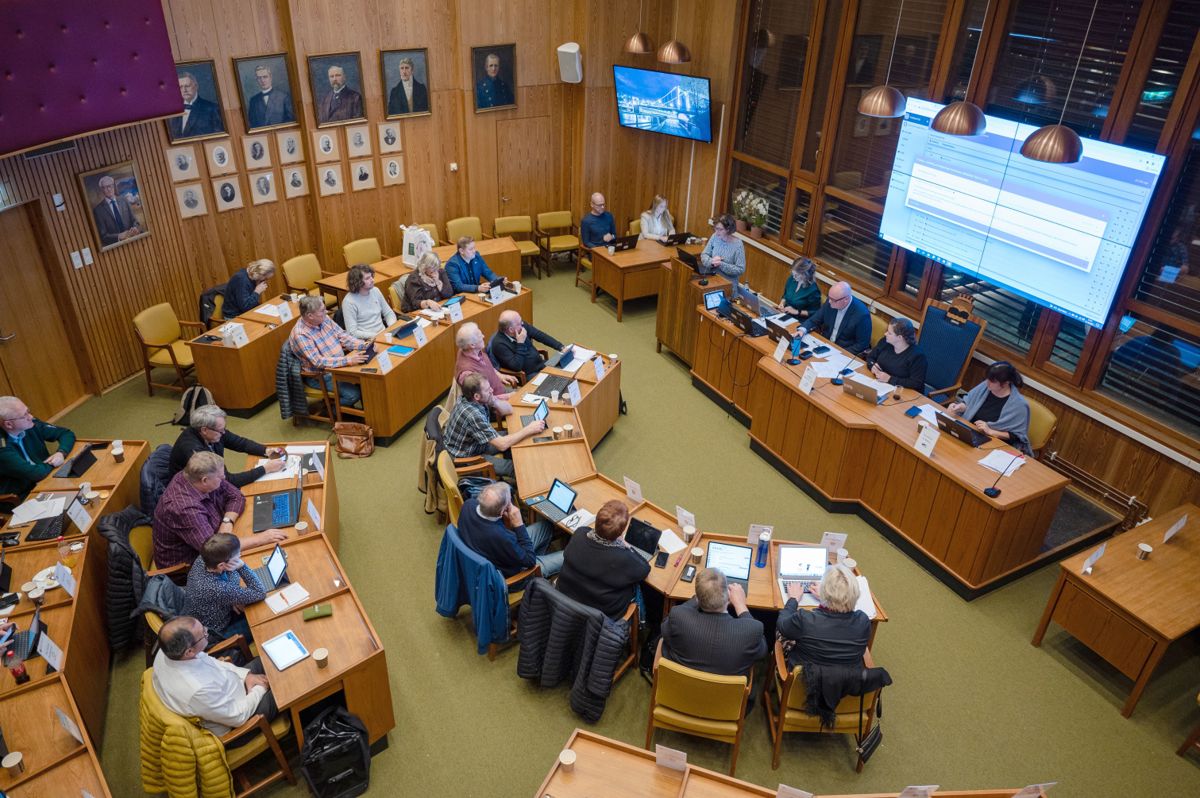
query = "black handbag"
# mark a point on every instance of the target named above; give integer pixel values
(867, 744)
(336, 759)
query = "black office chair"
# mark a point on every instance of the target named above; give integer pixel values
(949, 334)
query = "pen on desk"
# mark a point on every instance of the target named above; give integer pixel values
(678, 560)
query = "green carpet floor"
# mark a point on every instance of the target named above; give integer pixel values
(974, 705)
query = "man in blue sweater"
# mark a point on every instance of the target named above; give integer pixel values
(491, 525)
(598, 227)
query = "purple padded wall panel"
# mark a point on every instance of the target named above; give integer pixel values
(69, 67)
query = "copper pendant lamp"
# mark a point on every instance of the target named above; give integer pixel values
(1058, 143)
(883, 101)
(674, 51)
(639, 43)
(962, 117)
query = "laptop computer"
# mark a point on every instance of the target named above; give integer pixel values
(801, 564)
(732, 560)
(690, 260)
(274, 572)
(558, 503)
(961, 430)
(24, 644)
(564, 359)
(751, 326)
(643, 537)
(860, 390)
(623, 243)
(55, 525)
(76, 466)
(749, 300)
(768, 308)
(278, 509)
(675, 239)
(778, 331)
(539, 413)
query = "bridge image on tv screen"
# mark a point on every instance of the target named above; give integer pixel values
(661, 102)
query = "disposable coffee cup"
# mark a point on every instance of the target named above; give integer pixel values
(118, 454)
(554, 396)
(612, 250)
(842, 554)
(568, 430)
(301, 527)
(689, 532)
(14, 763)
(321, 657)
(37, 596)
(697, 555)
(557, 432)
(92, 495)
(1144, 550)
(28, 587)
(566, 760)
(516, 286)
(387, 338)
(849, 563)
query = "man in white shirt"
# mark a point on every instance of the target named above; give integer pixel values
(191, 683)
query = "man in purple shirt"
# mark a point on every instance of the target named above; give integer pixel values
(198, 503)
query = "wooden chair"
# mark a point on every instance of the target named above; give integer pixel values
(464, 226)
(635, 227)
(788, 714)
(520, 229)
(364, 250)
(879, 326)
(266, 736)
(218, 316)
(396, 293)
(300, 275)
(949, 334)
(321, 397)
(690, 701)
(160, 333)
(555, 234)
(1193, 740)
(1042, 423)
(432, 229)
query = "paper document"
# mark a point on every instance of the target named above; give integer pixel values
(289, 471)
(539, 379)
(999, 460)
(436, 315)
(866, 602)
(833, 367)
(531, 398)
(304, 449)
(33, 510)
(291, 596)
(670, 542)
(929, 414)
(268, 310)
(579, 518)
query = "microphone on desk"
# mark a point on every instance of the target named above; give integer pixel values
(838, 379)
(993, 491)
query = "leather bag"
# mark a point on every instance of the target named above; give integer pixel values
(354, 439)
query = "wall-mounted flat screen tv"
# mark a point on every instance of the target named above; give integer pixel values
(663, 102)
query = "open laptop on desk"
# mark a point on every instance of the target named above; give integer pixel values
(675, 239)
(861, 390)
(75, 466)
(643, 537)
(274, 572)
(623, 243)
(804, 565)
(278, 509)
(962, 430)
(55, 525)
(732, 560)
(690, 260)
(539, 414)
(558, 503)
(565, 358)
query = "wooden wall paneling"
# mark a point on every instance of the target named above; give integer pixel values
(947, 501)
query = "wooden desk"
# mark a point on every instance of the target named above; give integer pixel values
(387, 271)
(242, 380)
(1129, 610)
(500, 254)
(322, 493)
(675, 325)
(600, 401)
(630, 274)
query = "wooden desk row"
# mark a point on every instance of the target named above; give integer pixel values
(604, 766)
(631, 274)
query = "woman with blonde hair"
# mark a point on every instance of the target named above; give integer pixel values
(246, 287)
(801, 294)
(427, 286)
(834, 633)
(657, 223)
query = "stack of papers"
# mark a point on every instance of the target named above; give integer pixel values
(34, 510)
(290, 471)
(436, 315)
(579, 518)
(866, 602)
(929, 414)
(291, 596)
(268, 310)
(834, 366)
(532, 398)
(581, 356)
(999, 460)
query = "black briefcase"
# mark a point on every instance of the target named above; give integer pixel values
(336, 759)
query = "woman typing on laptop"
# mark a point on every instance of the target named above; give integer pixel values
(896, 358)
(996, 407)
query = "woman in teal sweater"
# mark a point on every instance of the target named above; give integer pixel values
(801, 294)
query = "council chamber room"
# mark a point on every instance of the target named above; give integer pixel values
(600, 398)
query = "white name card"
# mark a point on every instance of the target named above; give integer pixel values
(833, 541)
(64, 577)
(285, 312)
(383, 362)
(669, 757)
(1175, 527)
(314, 515)
(684, 517)
(807, 380)
(598, 364)
(922, 791)
(455, 312)
(927, 438)
(780, 349)
(1035, 790)
(633, 490)
(495, 294)
(79, 516)
(318, 466)
(420, 336)
(1092, 560)
(573, 393)
(233, 335)
(69, 725)
(785, 791)
(50, 650)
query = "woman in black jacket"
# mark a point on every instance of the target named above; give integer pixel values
(896, 358)
(600, 568)
(834, 633)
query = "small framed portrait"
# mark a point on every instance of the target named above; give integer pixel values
(864, 59)
(263, 187)
(265, 87)
(189, 198)
(358, 141)
(227, 193)
(393, 171)
(325, 146)
(494, 72)
(256, 151)
(118, 207)
(862, 126)
(295, 182)
(882, 127)
(288, 143)
(330, 177)
(362, 174)
(405, 82)
(220, 158)
(181, 161)
(202, 117)
(336, 81)
(389, 138)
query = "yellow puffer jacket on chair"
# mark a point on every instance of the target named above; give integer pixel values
(179, 757)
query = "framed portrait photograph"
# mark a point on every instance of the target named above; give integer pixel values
(362, 174)
(358, 141)
(295, 182)
(266, 92)
(202, 117)
(393, 171)
(220, 157)
(189, 198)
(181, 161)
(263, 187)
(325, 146)
(336, 81)
(389, 138)
(494, 74)
(882, 127)
(257, 152)
(118, 210)
(405, 82)
(862, 126)
(290, 149)
(864, 60)
(227, 193)
(330, 177)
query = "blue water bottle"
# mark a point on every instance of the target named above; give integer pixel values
(764, 543)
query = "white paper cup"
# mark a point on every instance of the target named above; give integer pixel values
(697, 555)
(37, 596)
(842, 554)
(118, 454)
(689, 532)
(566, 760)
(92, 495)
(516, 286)
(568, 430)
(14, 763)
(321, 657)
(612, 250)
(28, 587)
(554, 396)
(849, 563)
(1143, 552)
(301, 527)
(557, 432)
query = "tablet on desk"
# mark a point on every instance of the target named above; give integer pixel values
(285, 650)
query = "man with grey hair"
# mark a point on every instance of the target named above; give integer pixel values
(512, 346)
(702, 634)
(472, 359)
(321, 344)
(491, 525)
(843, 319)
(200, 117)
(193, 684)
(24, 458)
(114, 217)
(208, 431)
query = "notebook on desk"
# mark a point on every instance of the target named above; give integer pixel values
(732, 560)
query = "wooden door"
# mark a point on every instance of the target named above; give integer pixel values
(36, 358)
(524, 174)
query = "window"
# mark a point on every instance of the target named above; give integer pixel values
(1170, 58)
(1068, 344)
(820, 94)
(1012, 319)
(914, 272)
(850, 241)
(966, 46)
(800, 217)
(759, 184)
(1152, 368)
(1171, 280)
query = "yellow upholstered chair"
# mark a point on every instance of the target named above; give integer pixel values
(635, 227)
(464, 226)
(320, 401)
(689, 701)
(364, 250)
(1041, 424)
(449, 479)
(432, 229)
(160, 332)
(300, 275)
(218, 316)
(555, 235)
(520, 228)
(1193, 740)
(787, 713)
(879, 326)
(396, 294)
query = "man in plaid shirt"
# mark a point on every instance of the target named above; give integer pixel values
(321, 344)
(469, 433)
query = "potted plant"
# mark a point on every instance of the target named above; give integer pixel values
(757, 215)
(741, 212)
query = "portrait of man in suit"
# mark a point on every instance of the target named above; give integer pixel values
(336, 81)
(117, 208)
(496, 75)
(405, 72)
(201, 117)
(266, 91)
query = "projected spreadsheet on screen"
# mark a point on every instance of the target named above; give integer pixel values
(1059, 234)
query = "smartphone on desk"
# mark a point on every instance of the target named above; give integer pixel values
(661, 560)
(689, 573)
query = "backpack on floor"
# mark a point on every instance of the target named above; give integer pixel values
(193, 397)
(336, 758)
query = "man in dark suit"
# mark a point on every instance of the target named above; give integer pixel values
(114, 218)
(492, 91)
(701, 633)
(341, 103)
(409, 96)
(843, 320)
(207, 432)
(512, 346)
(200, 117)
(271, 106)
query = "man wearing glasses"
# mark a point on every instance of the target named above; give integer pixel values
(193, 684)
(843, 319)
(24, 458)
(597, 227)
